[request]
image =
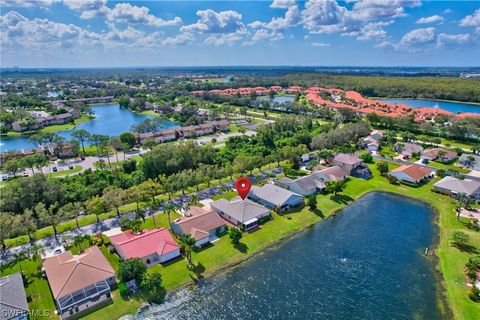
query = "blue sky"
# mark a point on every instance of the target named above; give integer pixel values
(101, 33)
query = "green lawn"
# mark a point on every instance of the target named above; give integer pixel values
(221, 253)
(67, 126)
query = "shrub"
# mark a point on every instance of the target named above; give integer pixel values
(392, 179)
(123, 289)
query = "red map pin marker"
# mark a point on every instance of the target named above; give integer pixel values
(243, 186)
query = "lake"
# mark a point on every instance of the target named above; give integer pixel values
(365, 263)
(110, 119)
(446, 105)
(279, 99)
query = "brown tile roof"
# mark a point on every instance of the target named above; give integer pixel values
(200, 223)
(67, 273)
(414, 171)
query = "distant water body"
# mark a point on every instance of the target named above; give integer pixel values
(446, 105)
(110, 119)
(365, 263)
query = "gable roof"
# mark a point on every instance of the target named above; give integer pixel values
(466, 186)
(413, 171)
(347, 158)
(200, 223)
(13, 301)
(240, 210)
(67, 273)
(273, 194)
(433, 153)
(409, 148)
(333, 173)
(133, 245)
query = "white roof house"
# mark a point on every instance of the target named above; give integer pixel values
(240, 212)
(273, 196)
(454, 186)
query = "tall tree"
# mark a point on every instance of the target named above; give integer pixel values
(188, 243)
(81, 136)
(114, 197)
(96, 205)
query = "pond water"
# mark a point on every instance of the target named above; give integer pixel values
(365, 263)
(279, 99)
(110, 119)
(446, 105)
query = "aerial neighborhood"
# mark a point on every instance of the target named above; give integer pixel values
(99, 223)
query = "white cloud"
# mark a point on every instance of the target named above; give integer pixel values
(381, 9)
(223, 39)
(418, 37)
(126, 13)
(88, 8)
(179, 40)
(324, 17)
(212, 22)
(447, 11)
(18, 31)
(320, 44)
(26, 3)
(472, 21)
(431, 19)
(454, 40)
(282, 4)
(120, 13)
(373, 31)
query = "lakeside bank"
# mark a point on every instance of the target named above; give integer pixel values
(222, 254)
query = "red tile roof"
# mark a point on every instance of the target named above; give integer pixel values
(146, 243)
(414, 171)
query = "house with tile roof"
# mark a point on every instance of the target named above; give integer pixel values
(346, 161)
(438, 154)
(203, 224)
(241, 213)
(413, 174)
(458, 187)
(407, 149)
(152, 246)
(79, 283)
(471, 161)
(272, 196)
(13, 301)
(305, 185)
(334, 173)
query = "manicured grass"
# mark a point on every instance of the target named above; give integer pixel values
(222, 253)
(37, 289)
(67, 126)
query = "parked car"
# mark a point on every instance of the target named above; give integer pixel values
(82, 158)
(70, 167)
(5, 177)
(25, 174)
(54, 169)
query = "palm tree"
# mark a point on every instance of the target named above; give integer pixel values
(19, 256)
(169, 208)
(188, 242)
(193, 201)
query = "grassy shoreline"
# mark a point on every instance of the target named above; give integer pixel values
(449, 260)
(222, 256)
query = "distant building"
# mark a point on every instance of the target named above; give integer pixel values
(13, 301)
(152, 246)
(79, 283)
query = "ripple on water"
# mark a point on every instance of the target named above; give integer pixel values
(366, 263)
